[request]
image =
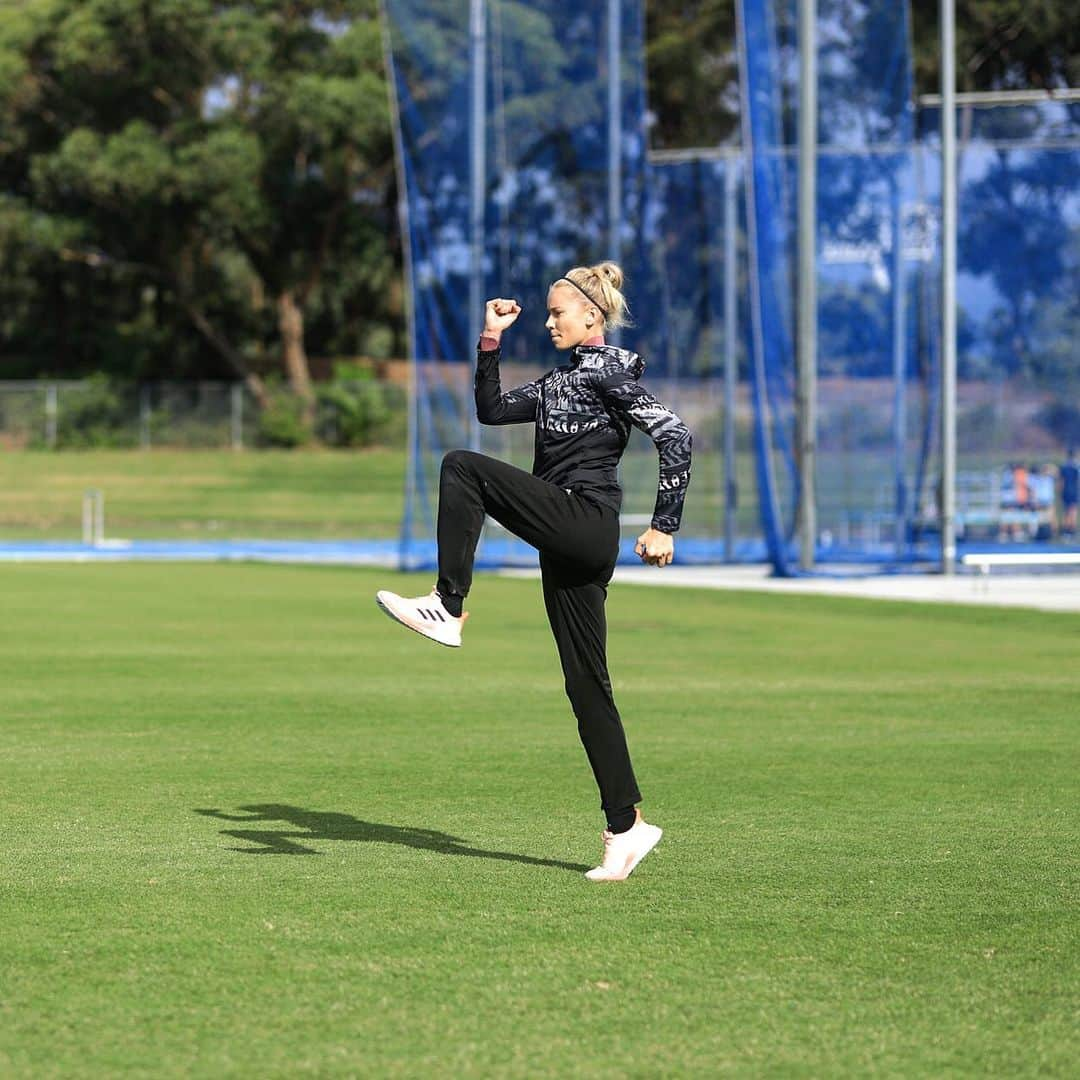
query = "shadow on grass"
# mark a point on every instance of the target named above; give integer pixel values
(306, 825)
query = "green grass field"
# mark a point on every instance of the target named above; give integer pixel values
(268, 494)
(310, 494)
(253, 829)
(338, 494)
(205, 494)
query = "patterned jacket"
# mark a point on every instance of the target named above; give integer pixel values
(583, 412)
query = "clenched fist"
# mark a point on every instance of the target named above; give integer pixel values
(500, 314)
(655, 548)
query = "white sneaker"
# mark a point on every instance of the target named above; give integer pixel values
(623, 851)
(424, 614)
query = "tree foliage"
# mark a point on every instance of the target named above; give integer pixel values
(1000, 45)
(693, 72)
(205, 187)
(204, 176)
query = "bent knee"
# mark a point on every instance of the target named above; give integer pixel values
(458, 460)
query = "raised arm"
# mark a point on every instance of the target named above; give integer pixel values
(516, 406)
(670, 436)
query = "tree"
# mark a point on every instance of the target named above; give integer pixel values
(301, 89)
(1000, 44)
(693, 72)
(1015, 233)
(693, 76)
(214, 160)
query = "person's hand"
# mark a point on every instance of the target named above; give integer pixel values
(499, 315)
(655, 548)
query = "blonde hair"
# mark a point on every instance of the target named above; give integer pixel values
(602, 285)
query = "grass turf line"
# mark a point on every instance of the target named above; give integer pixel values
(869, 865)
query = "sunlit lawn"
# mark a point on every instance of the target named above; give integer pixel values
(251, 828)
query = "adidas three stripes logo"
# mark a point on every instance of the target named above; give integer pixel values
(431, 614)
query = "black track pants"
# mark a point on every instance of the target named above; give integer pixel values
(578, 543)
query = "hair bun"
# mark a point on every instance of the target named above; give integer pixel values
(612, 272)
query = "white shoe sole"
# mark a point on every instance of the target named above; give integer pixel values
(386, 605)
(600, 874)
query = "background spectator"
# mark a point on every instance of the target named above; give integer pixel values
(1043, 501)
(1070, 486)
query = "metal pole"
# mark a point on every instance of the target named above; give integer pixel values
(237, 416)
(88, 517)
(478, 181)
(806, 394)
(93, 517)
(51, 412)
(948, 287)
(731, 370)
(614, 107)
(899, 338)
(412, 465)
(614, 110)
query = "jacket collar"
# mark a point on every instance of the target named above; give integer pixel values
(609, 355)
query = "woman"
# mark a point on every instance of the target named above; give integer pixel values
(567, 508)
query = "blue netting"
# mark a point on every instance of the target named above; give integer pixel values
(701, 262)
(686, 230)
(551, 131)
(1018, 294)
(865, 134)
(545, 159)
